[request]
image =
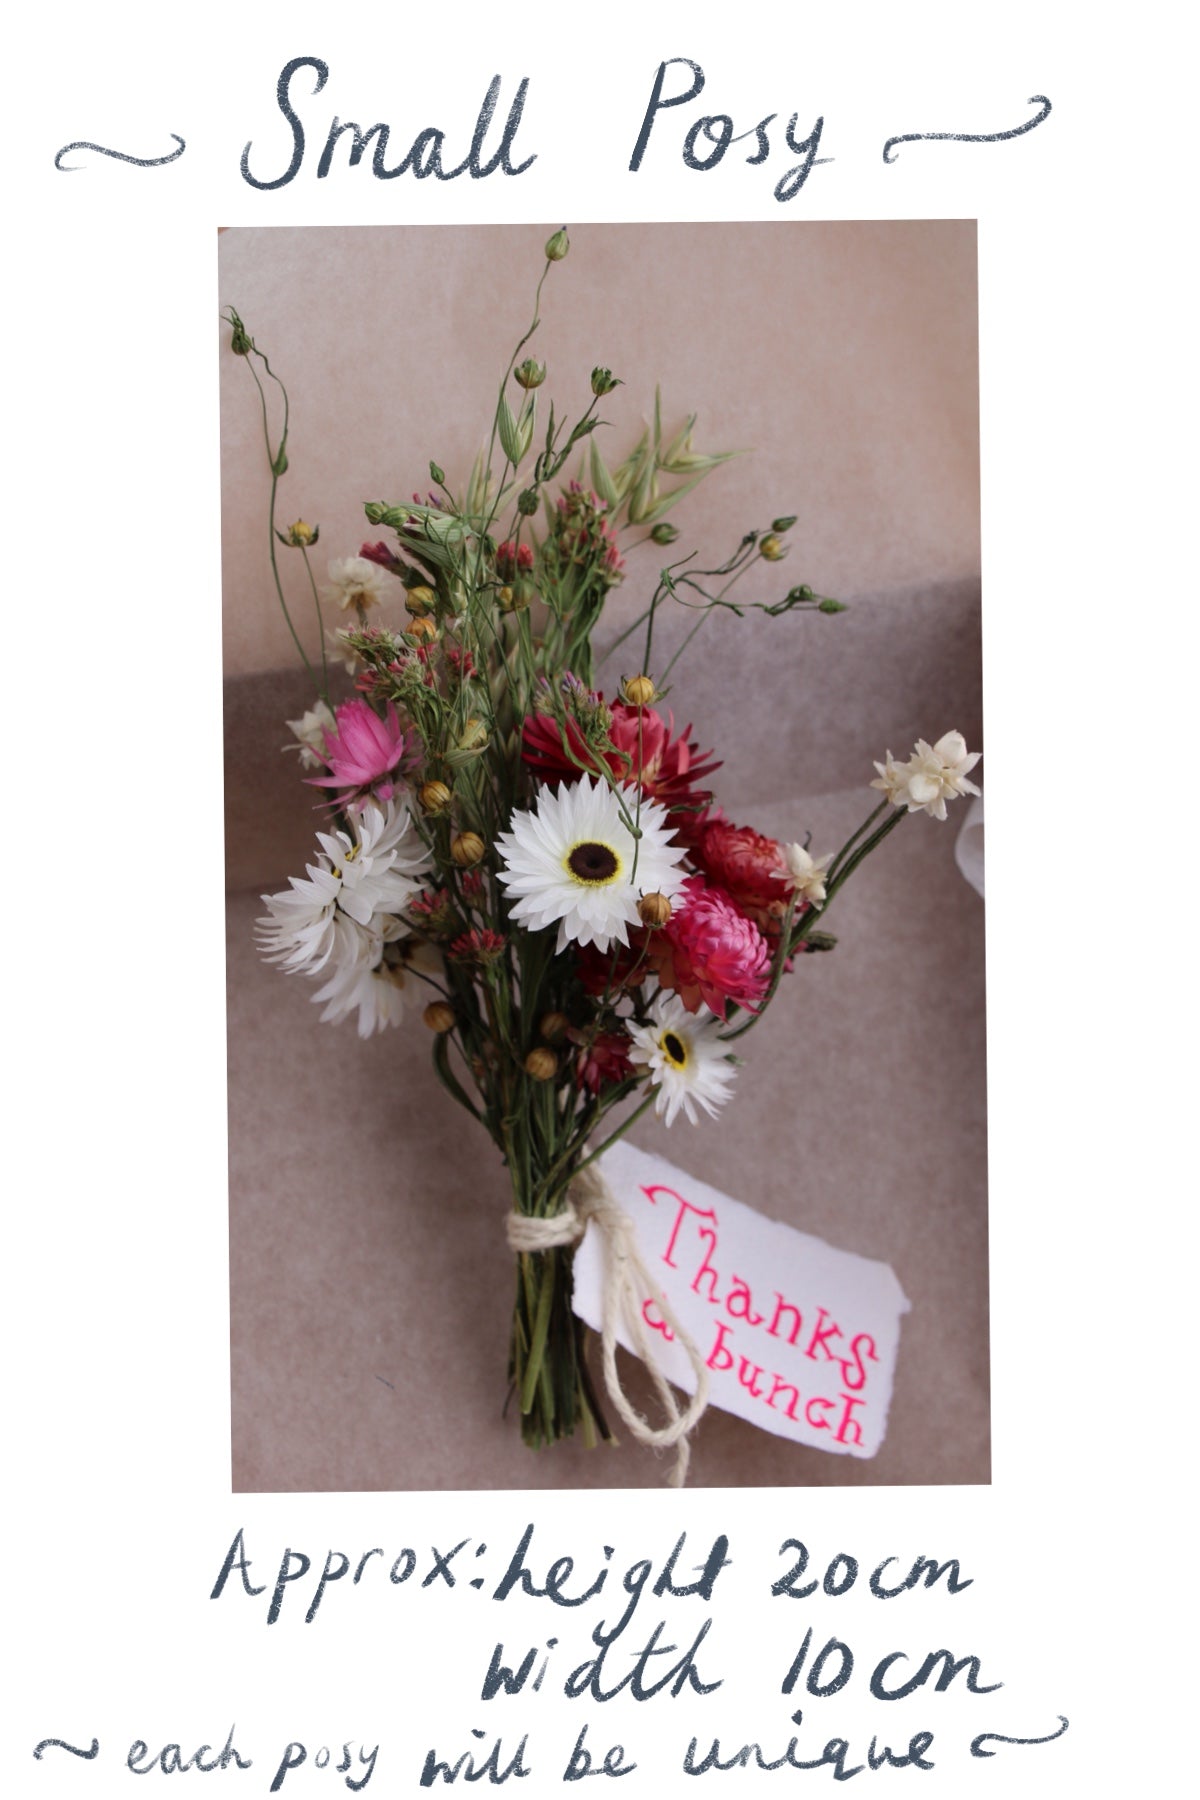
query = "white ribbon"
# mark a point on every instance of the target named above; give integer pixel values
(627, 1286)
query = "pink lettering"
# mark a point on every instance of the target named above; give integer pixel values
(821, 1332)
(848, 1423)
(782, 1306)
(741, 1293)
(780, 1386)
(752, 1384)
(719, 1357)
(706, 1268)
(852, 1365)
(685, 1207)
(655, 1320)
(818, 1424)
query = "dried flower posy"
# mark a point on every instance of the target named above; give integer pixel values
(536, 870)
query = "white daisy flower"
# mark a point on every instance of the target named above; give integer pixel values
(686, 1059)
(575, 862)
(381, 996)
(356, 582)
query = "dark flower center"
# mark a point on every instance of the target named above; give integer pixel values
(595, 864)
(676, 1049)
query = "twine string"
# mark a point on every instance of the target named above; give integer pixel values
(627, 1286)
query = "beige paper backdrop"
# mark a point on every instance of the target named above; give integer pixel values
(370, 1286)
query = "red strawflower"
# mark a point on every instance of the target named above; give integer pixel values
(744, 863)
(709, 951)
(603, 1061)
(643, 750)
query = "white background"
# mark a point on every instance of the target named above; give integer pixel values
(117, 1309)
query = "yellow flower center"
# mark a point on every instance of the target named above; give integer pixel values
(674, 1049)
(592, 865)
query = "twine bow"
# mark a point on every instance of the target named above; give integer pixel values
(627, 1286)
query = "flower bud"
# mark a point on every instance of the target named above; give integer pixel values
(437, 474)
(831, 606)
(553, 1026)
(422, 630)
(558, 245)
(638, 690)
(467, 848)
(664, 532)
(541, 1064)
(504, 599)
(435, 797)
(530, 374)
(438, 1016)
(603, 381)
(527, 502)
(654, 910)
(771, 549)
(420, 599)
(240, 343)
(302, 535)
(473, 736)
(783, 524)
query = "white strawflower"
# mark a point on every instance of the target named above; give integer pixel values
(685, 1058)
(355, 582)
(381, 996)
(339, 643)
(893, 780)
(309, 733)
(361, 881)
(574, 862)
(939, 773)
(377, 869)
(932, 775)
(804, 875)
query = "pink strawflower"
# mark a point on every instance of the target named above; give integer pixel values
(745, 864)
(709, 951)
(364, 752)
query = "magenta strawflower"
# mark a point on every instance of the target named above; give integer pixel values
(363, 752)
(710, 952)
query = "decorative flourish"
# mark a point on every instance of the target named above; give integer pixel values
(997, 1738)
(61, 1744)
(140, 162)
(969, 137)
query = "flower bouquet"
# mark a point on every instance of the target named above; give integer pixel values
(532, 859)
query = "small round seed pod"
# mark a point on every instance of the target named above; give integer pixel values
(553, 1026)
(638, 690)
(541, 1064)
(422, 630)
(467, 848)
(434, 796)
(438, 1016)
(420, 599)
(654, 910)
(771, 549)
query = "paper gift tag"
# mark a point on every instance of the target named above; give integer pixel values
(798, 1337)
